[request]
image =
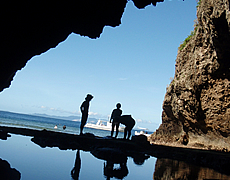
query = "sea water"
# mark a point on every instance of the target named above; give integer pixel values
(39, 123)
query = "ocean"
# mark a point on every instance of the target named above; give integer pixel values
(39, 123)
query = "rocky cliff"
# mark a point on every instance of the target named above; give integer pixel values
(31, 28)
(196, 108)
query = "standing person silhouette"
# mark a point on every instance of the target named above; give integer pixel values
(85, 111)
(116, 114)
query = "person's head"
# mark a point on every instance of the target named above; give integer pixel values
(89, 97)
(118, 105)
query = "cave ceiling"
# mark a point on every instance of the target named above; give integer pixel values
(29, 28)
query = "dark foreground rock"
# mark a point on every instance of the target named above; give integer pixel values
(8, 173)
(4, 135)
(104, 147)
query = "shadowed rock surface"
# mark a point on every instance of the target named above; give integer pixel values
(196, 108)
(31, 28)
(8, 173)
(4, 135)
(173, 169)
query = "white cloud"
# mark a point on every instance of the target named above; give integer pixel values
(58, 110)
(123, 79)
(145, 121)
(93, 113)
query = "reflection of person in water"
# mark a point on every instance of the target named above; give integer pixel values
(77, 166)
(140, 158)
(129, 123)
(115, 116)
(85, 110)
(119, 173)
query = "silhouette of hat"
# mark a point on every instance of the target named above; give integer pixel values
(89, 97)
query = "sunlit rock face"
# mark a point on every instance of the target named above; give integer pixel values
(196, 108)
(31, 28)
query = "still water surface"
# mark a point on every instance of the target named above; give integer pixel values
(34, 162)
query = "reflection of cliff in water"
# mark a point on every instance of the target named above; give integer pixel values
(173, 169)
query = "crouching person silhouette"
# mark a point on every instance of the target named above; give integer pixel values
(129, 123)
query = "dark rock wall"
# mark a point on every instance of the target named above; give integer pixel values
(29, 28)
(196, 108)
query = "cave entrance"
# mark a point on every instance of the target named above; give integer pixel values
(131, 64)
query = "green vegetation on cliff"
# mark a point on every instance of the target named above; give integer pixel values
(198, 3)
(183, 44)
(186, 40)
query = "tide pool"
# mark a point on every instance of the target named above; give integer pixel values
(34, 162)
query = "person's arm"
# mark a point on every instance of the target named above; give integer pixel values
(111, 117)
(82, 107)
(121, 113)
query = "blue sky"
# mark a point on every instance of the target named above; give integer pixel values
(131, 64)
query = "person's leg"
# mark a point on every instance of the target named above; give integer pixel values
(112, 129)
(81, 129)
(83, 122)
(129, 129)
(125, 132)
(129, 133)
(117, 129)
